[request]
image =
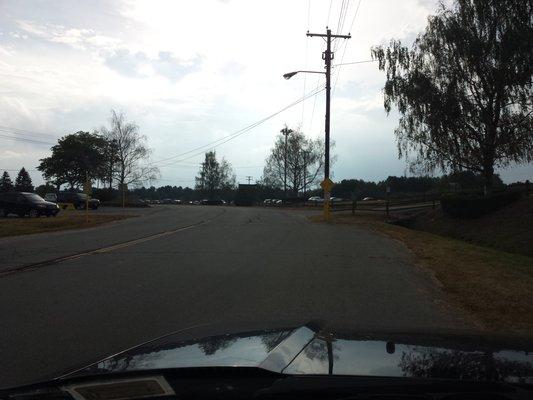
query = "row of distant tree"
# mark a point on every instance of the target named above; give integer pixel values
(294, 165)
(22, 182)
(399, 186)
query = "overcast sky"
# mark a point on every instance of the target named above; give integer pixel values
(191, 72)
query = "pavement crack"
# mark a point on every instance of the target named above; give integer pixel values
(105, 249)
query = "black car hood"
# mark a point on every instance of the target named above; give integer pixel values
(312, 350)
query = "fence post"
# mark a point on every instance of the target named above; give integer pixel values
(354, 204)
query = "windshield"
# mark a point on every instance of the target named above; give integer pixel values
(33, 197)
(255, 164)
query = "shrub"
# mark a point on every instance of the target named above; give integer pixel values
(476, 205)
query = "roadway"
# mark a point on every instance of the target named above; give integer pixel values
(173, 267)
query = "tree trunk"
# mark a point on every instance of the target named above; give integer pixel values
(111, 178)
(488, 174)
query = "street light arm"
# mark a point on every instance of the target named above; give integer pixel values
(289, 75)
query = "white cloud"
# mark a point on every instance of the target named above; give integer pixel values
(77, 38)
(192, 72)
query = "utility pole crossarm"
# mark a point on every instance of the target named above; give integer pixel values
(331, 36)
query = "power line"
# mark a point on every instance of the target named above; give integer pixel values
(306, 60)
(236, 134)
(342, 17)
(25, 132)
(341, 27)
(346, 46)
(21, 139)
(355, 15)
(198, 165)
(254, 125)
(354, 62)
(17, 170)
(314, 106)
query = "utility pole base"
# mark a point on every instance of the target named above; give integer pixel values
(327, 212)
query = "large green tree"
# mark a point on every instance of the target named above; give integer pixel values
(464, 89)
(75, 158)
(5, 182)
(23, 181)
(214, 176)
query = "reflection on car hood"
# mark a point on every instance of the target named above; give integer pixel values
(311, 350)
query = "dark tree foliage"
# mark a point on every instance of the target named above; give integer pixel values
(6, 184)
(41, 190)
(166, 192)
(75, 158)
(23, 181)
(467, 180)
(214, 176)
(464, 89)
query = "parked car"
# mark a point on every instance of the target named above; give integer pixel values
(369, 199)
(213, 202)
(315, 200)
(267, 202)
(335, 199)
(177, 201)
(78, 200)
(278, 202)
(24, 203)
(51, 197)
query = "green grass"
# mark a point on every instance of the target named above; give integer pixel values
(65, 220)
(508, 229)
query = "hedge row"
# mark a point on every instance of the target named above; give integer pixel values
(475, 205)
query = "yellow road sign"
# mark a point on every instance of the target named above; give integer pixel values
(327, 185)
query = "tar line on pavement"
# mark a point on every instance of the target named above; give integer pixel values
(106, 249)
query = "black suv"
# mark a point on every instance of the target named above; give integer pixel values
(77, 199)
(22, 203)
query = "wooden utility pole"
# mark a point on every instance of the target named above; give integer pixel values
(286, 132)
(327, 56)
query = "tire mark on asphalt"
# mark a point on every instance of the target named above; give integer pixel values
(106, 249)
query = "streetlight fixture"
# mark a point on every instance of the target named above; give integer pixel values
(289, 75)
